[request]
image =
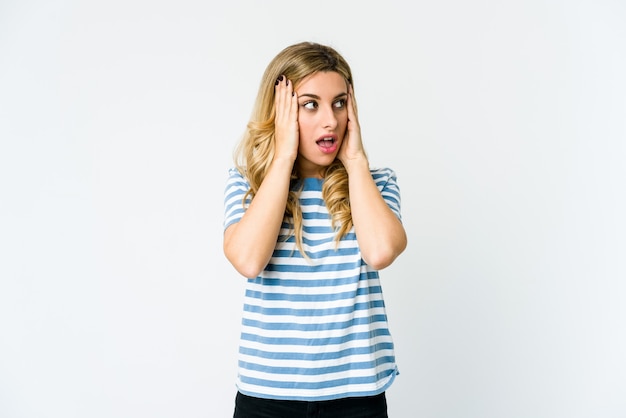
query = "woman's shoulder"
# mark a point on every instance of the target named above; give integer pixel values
(236, 177)
(382, 173)
(235, 174)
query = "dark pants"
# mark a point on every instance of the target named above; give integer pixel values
(360, 407)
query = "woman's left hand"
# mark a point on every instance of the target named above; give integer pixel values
(352, 146)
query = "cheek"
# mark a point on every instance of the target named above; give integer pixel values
(342, 120)
(304, 126)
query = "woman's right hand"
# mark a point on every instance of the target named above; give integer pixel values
(286, 128)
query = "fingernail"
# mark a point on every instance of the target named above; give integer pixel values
(287, 82)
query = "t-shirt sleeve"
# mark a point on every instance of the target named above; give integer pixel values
(387, 182)
(236, 188)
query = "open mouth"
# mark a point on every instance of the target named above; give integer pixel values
(327, 144)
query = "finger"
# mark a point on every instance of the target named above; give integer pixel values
(277, 95)
(351, 110)
(293, 114)
(281, 101)
(287, 98)
(288, 91)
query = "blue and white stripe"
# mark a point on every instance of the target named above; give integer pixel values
(314, 329)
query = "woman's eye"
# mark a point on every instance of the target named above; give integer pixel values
(340, 103)
(309, 105)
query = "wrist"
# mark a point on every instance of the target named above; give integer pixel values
(357, 163)
(282, 163)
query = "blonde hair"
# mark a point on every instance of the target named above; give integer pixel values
(255, 152)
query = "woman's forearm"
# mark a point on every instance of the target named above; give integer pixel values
(249, 243)
(379, 232)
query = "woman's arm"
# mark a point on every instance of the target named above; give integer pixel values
(379, 232)
(249, 243)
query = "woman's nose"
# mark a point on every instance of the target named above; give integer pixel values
(329, 118)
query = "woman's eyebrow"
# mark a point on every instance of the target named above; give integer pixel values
(315, 96)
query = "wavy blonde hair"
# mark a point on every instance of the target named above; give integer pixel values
(255, 152)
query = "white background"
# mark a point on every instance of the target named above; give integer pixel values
(504, 120)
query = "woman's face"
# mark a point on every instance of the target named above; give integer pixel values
(322, 118)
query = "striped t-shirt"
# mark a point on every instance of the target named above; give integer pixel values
(314, 329)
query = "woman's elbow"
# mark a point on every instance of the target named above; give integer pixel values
(248, 272)
(381, 261)
(385, 254)
(244, 265)
(246, 269)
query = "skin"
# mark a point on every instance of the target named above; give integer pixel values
(322, 113)
(321, 107)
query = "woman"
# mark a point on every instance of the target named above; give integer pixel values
(310, 224)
